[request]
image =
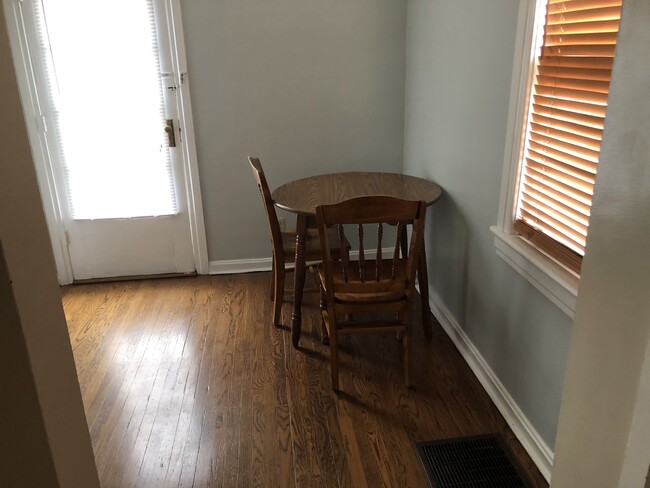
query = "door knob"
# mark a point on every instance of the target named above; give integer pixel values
(169, 130)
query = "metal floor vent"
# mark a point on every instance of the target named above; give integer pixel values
(470, 462)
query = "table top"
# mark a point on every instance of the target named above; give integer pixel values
(302, 196)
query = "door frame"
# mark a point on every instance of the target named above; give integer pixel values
(44, 169)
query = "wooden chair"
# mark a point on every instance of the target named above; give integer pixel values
(380, 288)
(284, 244)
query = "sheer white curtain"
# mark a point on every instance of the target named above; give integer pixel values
(104, 79)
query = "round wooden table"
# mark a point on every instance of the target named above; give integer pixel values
(303, 196)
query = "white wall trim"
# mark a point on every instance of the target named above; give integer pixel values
(193, 189)
(231, 266)
(33, 111)
(537, 449)
(555, 281)
(520, 87)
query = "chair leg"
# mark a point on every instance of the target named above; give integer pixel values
(334, 357)
(278, 292)
(406, 339)
(407, 359)
(272, 294)
(325, 338)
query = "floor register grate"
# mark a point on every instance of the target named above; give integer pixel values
(470, 462)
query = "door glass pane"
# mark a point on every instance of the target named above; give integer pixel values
(108, 107)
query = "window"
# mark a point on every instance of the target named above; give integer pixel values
(565, 125)
(106, 113)
(102, 105)
(558, 107)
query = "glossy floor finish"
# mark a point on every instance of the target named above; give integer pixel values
(186, 383)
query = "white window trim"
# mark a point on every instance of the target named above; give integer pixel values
(555, 281)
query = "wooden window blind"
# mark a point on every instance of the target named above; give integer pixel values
(565, 124)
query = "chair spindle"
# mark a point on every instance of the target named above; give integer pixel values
(344, 255)
(380, 235)
(398, 240)
(362, 257)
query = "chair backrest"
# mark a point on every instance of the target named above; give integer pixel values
(379, 275)
(269, 207)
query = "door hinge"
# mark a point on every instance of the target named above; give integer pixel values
(168, 81)
(67, 238)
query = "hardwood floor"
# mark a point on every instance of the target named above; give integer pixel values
(185, 382)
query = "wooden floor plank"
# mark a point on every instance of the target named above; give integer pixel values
(279, 353)
(186, 383)
(215, 388)
(156, 459)
(184, 444)
(266, 451)
(127, 399)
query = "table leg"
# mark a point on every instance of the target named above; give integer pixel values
(299, 279)
(423, 280)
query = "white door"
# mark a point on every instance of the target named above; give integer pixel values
(107, 91)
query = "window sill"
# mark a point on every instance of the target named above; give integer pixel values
(556, 282)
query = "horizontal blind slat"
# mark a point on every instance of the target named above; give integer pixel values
(536, 198)
(583, 96)
(568, 172)
(588, 62)
(584, 85)
(593, 121)
(575, 73)
(571, 106)
(535, 178)
(550, 193)
(587, 174)
(605, 3)
(560, 176)
(583, 27)
(569, 39)
(557, 6)
(565, 136)
(562, 156)
(564, 147)
(544, 173)
(579, 129)
(571, 228)
(553, 226)
(571, 206)
(596, 14)
(581, 50)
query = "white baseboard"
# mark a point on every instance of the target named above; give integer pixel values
(537, 449)
(232, 266)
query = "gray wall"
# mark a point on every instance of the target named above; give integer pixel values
(309, 86)
(459, 66)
